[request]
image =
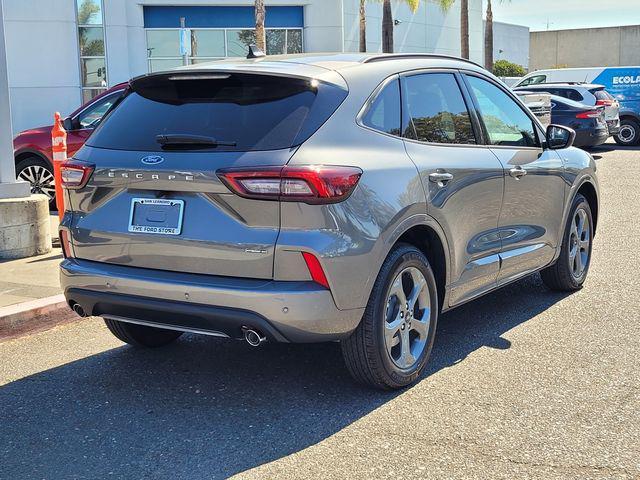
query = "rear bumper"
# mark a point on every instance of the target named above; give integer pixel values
(591, 138)
(284, 311)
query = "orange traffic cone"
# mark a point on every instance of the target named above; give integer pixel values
(59, 148)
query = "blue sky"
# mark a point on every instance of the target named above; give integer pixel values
(563, 14)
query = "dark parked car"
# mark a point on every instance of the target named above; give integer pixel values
(587, 121)
(32, 148)
(587, 94)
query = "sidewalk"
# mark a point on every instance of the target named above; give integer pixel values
(31, 278)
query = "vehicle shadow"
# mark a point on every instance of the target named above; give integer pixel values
(208, 408)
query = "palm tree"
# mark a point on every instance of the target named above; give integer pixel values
(261, 38)
(464, 28)
(488, 38)
(363, 26)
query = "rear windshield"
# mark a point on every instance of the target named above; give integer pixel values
(602, 95)
(242, 112)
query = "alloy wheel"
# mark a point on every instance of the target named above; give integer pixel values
(40, 179)
(627, 134)
(579, 242)
(407, 318)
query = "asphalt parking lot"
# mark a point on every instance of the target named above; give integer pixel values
(523, 383)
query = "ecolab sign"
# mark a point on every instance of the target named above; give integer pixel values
(628, 80)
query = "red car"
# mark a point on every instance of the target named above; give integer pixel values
(32, 148)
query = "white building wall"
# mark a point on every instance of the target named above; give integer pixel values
(42, 60)
(428, 30)
(513, 40)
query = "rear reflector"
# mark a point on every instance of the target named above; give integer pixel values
(65, 244)
(313, 184)
(315, 269)
(75, 174)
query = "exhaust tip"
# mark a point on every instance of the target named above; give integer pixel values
(253, 337)
(79, 310)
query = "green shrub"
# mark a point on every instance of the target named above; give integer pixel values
(505, 68)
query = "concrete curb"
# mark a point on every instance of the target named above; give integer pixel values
(34, 316)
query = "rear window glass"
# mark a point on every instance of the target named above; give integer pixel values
(602, 95)
(241, 111)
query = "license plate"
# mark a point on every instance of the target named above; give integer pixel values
(156, 215)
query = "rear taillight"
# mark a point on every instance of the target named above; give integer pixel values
(314, 184)
(604, 103)
(589, 114)
(65, 244)
(75, 174)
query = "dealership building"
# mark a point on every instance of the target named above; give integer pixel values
(63, 52)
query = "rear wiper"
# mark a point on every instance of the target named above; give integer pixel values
(170, 140)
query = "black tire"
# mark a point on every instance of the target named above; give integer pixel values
(560, 276)
(630, 131)
(365, 352)
(140, 335)
(26, 170)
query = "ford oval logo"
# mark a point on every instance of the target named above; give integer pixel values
(152, 160)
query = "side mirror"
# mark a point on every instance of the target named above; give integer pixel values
(559, 137)
(67, 123)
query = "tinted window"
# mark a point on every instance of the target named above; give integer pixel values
(384, 113)
(505, 121)
(533, 80)
(574, 95)
(257, 112)
(90, 117)
(602, 95)
(436, 110)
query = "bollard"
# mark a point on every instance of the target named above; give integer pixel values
(59, 149)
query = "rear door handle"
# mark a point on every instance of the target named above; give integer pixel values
(517, 172)
(441, 178)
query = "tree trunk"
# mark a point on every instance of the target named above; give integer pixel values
(387, 27)
(261, 38)
(488, 39)
(464, 28)
(363, 26)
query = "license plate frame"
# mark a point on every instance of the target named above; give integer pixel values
(156, 229)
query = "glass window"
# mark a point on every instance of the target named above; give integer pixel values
(533, 80)
(238, 42)
(257, 112)
(276, 42)
(207, 43)
(91, 41)
(162, 64)
(506, 122)
(294, 41)
(163, 43)
(89, 94)
(89, 12)
(436, 110)
(94, 72)
(384, 113)
(90, 117)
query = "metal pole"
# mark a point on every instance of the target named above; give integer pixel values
(185, 55)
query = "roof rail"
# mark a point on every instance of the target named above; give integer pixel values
(409, 56)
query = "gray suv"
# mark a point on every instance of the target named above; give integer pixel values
(345, 197)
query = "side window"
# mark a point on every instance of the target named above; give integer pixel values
(384, 112)
(533, 80)
(506, 122)
(574, 95)
(435, 109)
(90, 117)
